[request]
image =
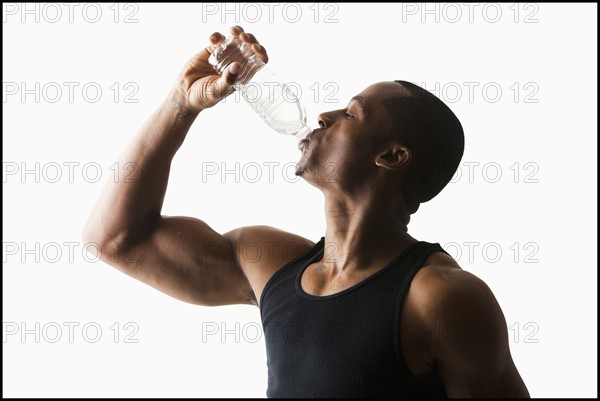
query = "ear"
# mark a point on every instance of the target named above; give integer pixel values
(394, 157)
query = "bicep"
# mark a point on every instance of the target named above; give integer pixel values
(186, 259)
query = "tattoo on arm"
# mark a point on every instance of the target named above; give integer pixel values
(182, 111)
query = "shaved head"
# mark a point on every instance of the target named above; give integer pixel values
(392, 138)
(434, 135)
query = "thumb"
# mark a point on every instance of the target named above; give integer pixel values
(227, 80)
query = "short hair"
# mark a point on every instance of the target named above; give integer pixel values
(433, 133)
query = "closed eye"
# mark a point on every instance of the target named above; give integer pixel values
(348, 115)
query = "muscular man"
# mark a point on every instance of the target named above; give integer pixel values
(365, 311)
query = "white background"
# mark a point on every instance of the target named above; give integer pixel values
(543, 58)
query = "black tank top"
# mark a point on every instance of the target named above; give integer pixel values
(345, 344)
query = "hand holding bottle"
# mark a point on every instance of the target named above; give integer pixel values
(200, 85)
(269, 96)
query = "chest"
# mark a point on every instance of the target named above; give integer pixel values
(320, 282)
(360, 323)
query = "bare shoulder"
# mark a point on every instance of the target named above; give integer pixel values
(262, 250)
(267, 234)
(266, 245)
(442, 291)
(464, 331)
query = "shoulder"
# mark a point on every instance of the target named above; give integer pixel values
(260, 251)
(460, 328)
(268, 239)
(443, 294)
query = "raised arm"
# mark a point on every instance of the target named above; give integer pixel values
(180, 256)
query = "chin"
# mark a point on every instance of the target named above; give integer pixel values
(302, 171)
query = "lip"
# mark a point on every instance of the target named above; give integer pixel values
(308, 139)
(303, 143)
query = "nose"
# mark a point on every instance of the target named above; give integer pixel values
(325, 119)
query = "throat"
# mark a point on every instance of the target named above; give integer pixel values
(332, 275)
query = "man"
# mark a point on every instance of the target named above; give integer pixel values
(366, 311)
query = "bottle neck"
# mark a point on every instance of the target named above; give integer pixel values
(303, 132)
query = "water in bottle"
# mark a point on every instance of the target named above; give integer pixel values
(270, 97)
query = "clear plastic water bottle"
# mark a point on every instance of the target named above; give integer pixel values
(270, 97)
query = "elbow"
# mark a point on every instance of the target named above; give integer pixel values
(100, 244)
(94, 241)
(94, 232)
(90, 234)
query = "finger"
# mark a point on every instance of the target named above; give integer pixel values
(215, 40)
(260, 52)
(236, 30)
(248, 37)
(222, 86)
(231, 74)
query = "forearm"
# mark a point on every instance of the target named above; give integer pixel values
(130, 204)
(129, 208)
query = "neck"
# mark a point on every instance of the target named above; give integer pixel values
(363, 233)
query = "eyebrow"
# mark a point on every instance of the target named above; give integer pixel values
(359, 100)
